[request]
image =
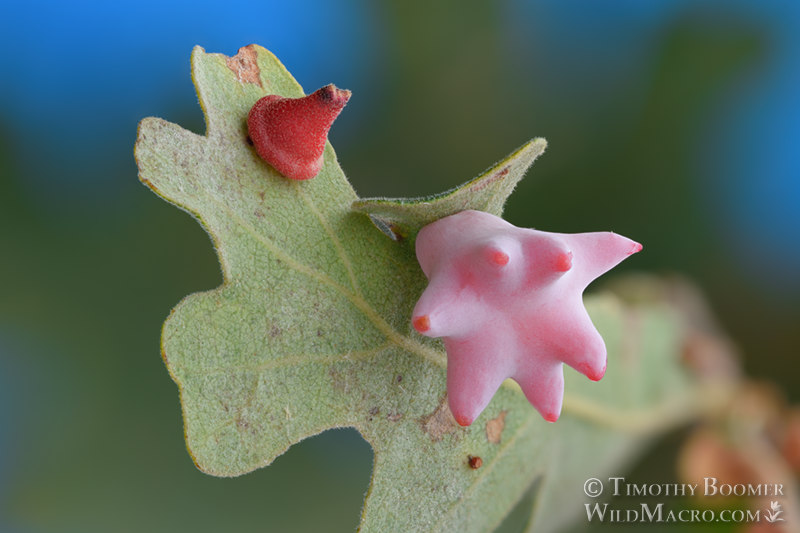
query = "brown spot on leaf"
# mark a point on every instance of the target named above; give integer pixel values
(488, 181)
(440, 422)
(245, 65)
(495, 427)
(398, 231)
(474, 462)
(394, 417)
(339, 383)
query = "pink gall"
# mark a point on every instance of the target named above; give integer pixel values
(507, 302)
(290, 133)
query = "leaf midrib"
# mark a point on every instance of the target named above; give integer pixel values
(436, 357)
(628, 420)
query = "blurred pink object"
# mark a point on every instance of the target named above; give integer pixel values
(508, 303)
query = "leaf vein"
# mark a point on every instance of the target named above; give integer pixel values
(405, 342)
(294, 360)
(343, 257)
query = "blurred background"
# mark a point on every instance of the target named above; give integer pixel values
(675, 123)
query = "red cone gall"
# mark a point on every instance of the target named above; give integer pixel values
(290, 133)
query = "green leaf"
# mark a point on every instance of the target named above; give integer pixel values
(310, 331)
(404, 217)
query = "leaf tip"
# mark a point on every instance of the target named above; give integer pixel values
(244, 65)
